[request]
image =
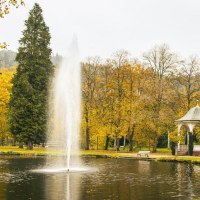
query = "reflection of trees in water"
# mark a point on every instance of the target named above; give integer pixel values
(125, 179)
(62, 186)
(3, 182)
(183, 179)
(186, 179)
(144, 167)
(108, 183)
(195, 177)
(3, 187)
(117, 179)
(23, 184)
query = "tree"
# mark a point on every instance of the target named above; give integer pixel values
(5, 9)
(29, 100)
(135, 79)
(7, 58)
(3, 45)
(89, 69)
(105, 103)
(6, 4)
(189, 79)
(119, 63)
(162, 62)
(5, 90)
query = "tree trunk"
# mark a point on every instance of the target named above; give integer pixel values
(30, 145)
(131, 133)
(173, 148)
(149, 145)
(131, 141)
(117, 143)
(97, 143)
(87, 131)
(155, 144)
(13, 142)
(107, 142)
(131, 144)
(21, 145)
(87, 146)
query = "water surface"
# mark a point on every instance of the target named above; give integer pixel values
(114, 179)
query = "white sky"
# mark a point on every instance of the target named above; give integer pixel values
(104, 26)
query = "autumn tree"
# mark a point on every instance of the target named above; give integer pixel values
(5, 90)
(162, 62)
(106, 99)
(119, 62)
(89, 73)
(29, 100)
(5, 6)
(189, 79)
(134, 85)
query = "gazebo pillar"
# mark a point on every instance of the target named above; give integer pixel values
(190, 131)
(179, 129)
(188, 139)
(191, 127)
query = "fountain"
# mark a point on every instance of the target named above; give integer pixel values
(65, 112)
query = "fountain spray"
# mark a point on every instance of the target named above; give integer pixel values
(66, 104)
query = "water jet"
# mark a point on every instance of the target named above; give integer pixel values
(65, 110)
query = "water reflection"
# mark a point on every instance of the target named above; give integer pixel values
(62, 186)
(116, 179)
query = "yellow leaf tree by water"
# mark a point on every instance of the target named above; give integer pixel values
(5, 89)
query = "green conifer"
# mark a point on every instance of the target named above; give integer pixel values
(29, 100)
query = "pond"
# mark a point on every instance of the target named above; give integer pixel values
(114, 179)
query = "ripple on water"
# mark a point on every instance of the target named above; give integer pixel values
(63, 170)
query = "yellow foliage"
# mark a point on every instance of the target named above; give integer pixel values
(3, 45)
(6, 76)
(173, 135)
(6, 4)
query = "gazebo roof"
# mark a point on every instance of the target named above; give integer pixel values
(193, 115)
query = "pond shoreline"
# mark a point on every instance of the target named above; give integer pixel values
(161, 157)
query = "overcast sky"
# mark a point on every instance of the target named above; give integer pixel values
(104, 26)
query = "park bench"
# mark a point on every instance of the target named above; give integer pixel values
(145, 153)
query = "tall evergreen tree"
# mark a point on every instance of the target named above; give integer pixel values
(29, 100)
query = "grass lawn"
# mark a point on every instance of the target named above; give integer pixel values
(159, 150)
(190, 159)
(35, 151)
(54, 151)
(163, 154)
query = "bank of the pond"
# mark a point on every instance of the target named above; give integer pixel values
(37, 151)
(187, 159)
(162, 155)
